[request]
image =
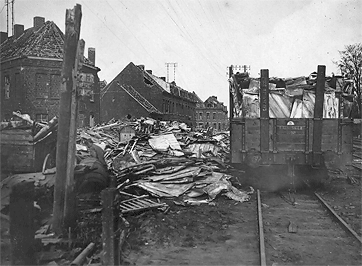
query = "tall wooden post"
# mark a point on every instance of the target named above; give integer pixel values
(264, 113)
(110, 229)
(66, 107)
(318, 115)
(69, 206)
(22, 229)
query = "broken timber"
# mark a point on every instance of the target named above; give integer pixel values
(62, 182)
(139, 204)
(110, 228)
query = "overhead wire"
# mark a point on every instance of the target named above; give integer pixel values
(2, 8)
(109, 29)
(131, 33)
(194, 44)
(136, 16)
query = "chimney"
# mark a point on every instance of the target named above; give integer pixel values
(92, 55)
(142, 67)
(3, 36)
(163, 78)
(38, 23)
(18, 30)
(149, 71)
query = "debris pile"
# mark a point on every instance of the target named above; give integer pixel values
(166, 160)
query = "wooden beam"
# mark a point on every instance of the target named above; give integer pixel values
(72, 31)
(318, 116)
(110, 223)
(69, 206)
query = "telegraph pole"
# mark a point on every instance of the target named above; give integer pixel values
(174, 70)
(8, 7)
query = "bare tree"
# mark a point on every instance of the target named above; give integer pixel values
(350, 65)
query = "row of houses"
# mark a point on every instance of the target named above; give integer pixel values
(31, 64)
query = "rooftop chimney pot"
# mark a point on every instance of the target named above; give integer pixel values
(92, 55)
(18, 30)
(3, 36)
(38, 23)
(141, 67)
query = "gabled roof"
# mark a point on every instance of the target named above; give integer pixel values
(171, 88)
(139, 98)
(46, 42)
(197, 98)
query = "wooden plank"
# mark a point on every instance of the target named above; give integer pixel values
(261, 232)
(110, 214)
(69, 205)
(139, 197)
(72, 31)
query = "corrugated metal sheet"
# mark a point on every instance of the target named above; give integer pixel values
(305, 108)
(251, 105)
(330, 108)
(285, 106)
(279, 105)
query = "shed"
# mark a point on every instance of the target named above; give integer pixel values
(20, 155)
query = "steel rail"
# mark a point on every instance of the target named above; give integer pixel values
(345, 225)
(261, 232)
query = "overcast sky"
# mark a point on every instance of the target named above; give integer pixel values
(288, 37)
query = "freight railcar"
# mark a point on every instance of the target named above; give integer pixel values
(276, 126)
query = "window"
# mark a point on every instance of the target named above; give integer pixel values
(213, 115)
(214, 125)
(200, 125)
(7, 87)
(219, 126)
(55, 81)
(92, 97)
(41, 117)
(200, 116)
(42, 86)
(207, 115)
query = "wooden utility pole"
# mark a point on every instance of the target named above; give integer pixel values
(63, 190)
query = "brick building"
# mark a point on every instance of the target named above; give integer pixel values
(138, 93)
(211, 113)
(30, 72)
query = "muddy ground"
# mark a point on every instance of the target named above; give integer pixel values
(225, 233)
(221, 233)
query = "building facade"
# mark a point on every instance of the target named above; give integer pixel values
(136, 92)
(211, 113)
(30, 72)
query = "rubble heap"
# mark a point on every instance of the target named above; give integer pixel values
(165, 160)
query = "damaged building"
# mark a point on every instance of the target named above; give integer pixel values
(211, 113)
(136, 92)
(31, 65)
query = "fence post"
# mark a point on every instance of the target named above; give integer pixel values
(22, 230)
(110, 228)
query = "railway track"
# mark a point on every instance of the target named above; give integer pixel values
(304, 230)
(357, 153)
